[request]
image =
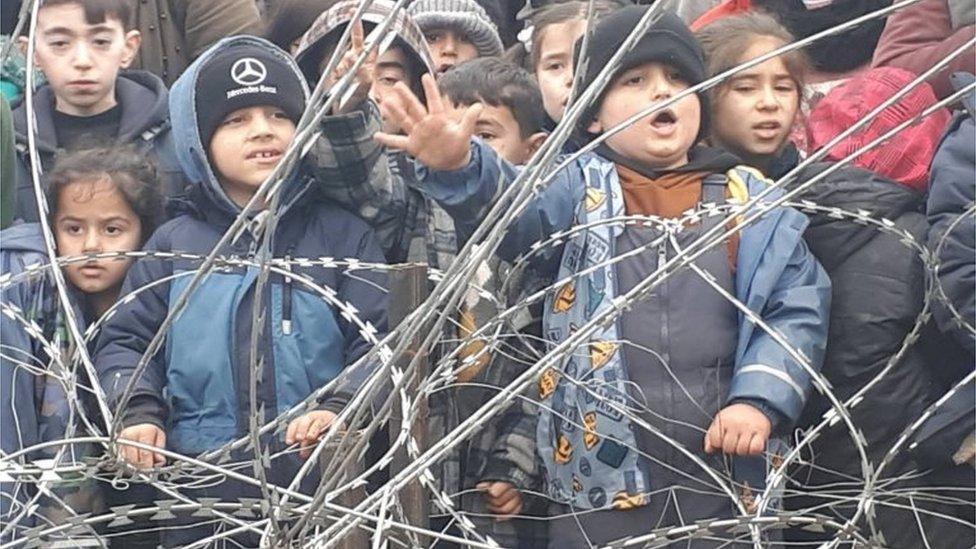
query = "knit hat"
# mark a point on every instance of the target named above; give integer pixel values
(667, 41)
(246, 75)
(462, 16)
(904, 158)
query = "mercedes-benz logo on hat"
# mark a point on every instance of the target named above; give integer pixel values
(248, 71)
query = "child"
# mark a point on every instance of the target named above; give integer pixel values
(512, 115)
(102, 200)
(404, 60)
(414, 228)
(81, 46)
(754, 110)
(878, 283)
(554, 32)
(701, 368)
(254, 95)
(456, 31)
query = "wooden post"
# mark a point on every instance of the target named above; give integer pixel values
(408, 290)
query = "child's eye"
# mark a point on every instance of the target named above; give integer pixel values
(58, 44)
(279, 114)
(73, 230)
(744, 89)
(231, 120)
(113, 231)
(486, 136)
(555, 66)
(103, 42)
(388, 81)
(635, 80)
(433, 37)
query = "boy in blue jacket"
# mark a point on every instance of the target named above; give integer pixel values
(707, 388)
(234, 113)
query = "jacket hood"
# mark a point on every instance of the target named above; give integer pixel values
(141, 95)
(834, 240)
(191, 152)
(404, 32)
(25, 237)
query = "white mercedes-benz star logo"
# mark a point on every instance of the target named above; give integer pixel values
(248, 71)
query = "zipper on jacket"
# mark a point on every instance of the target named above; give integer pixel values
(286, 298)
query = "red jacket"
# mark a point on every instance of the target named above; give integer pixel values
(919, 36)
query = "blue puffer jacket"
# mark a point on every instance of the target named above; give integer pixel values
(33, 407)
(776, 276)
(197, 387)
(951, 193)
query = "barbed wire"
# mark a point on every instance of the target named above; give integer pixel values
(423, 357)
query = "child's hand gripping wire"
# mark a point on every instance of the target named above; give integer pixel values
(433, 134)
(306, 430)
(739, 429)
(146, 433)
(502, 499)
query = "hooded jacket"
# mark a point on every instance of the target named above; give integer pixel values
(33, 408)
(776, 276)
(329, 26)
(198, 386)
(145, 123)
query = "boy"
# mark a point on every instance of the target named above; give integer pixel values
(381, 187)
(456, 31)
(512, 115)
(691, 364)
(81, 47)
(254, 95)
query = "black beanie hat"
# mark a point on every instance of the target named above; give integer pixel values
(667, 41)
(246, 75)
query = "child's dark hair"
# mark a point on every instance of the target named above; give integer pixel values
(499, 84)
(554, 14)
(292, 18)
(98, 11)
(129, 171)
(725, 40)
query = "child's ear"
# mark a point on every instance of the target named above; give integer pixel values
(595, 127)
(133, 39)
(24, 45)
(536, 140)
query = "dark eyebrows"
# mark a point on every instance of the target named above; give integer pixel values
(390, 65)
(95, 29)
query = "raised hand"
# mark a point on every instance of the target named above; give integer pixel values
(146, 433)
(364, 75)
(433, 134)
(739, 430)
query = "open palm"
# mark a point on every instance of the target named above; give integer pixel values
(432, 134)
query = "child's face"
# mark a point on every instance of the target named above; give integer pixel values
(499, 129)
(391, 67)
(81, 61)
(754, 111)
(247, 146)
(555, 68)
(449, 48)
(661, 139)
(94, 217)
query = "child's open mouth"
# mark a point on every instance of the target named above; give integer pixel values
(767, 130)
(664, 121)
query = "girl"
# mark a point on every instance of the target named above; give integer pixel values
(878, 282)
(101, 200)
(753, 111)
(552, 34)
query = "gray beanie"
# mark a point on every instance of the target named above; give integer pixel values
(462, 16)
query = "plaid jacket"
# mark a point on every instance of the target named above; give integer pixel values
(355, 171)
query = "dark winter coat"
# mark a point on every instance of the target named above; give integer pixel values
(951, 193)
(145, 113)
(878, 293)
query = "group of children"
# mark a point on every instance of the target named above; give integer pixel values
(636, 428)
